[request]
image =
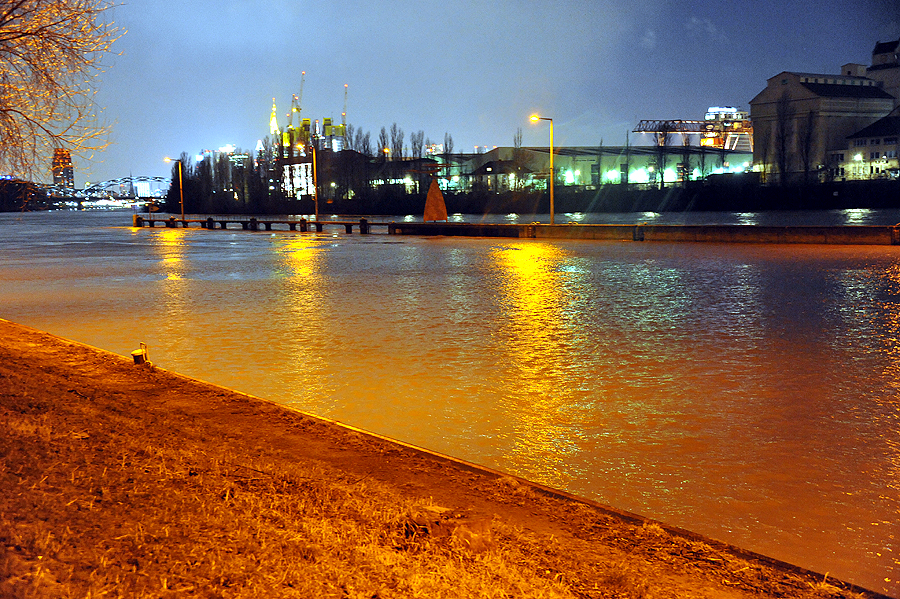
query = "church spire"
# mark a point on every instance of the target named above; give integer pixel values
(273, 122)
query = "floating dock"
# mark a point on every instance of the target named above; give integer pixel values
(253, 223)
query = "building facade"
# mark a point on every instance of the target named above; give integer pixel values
(872, 152)
(801, 119)
(588, 167)
(63, 171)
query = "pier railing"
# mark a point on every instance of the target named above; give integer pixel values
(255, 224)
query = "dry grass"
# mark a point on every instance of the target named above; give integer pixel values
(155, 520)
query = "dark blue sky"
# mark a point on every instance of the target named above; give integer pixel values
(202, 74)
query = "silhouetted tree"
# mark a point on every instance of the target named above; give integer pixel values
(686, 156)
(416, 143)
(448, 144)
(383, 143)
(663, 138)
(363, 144)
(518, 159)
(783, 118)
(448, 155)
(599, 180)
(349, 141)
(761, 140)
(396, 142)
(702, 161)
(184, 186)
(807, 128)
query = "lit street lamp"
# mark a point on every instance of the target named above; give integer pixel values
(315, 175)
(180, 184)
(535, 118)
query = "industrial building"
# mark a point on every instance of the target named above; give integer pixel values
(587, 167)
(807, 126)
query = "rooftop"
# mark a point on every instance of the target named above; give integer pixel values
(837, 90)
(886, 127)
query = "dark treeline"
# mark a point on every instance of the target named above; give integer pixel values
(366, 177)
(361, 180)
(22, 196)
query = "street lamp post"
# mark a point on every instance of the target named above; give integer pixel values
(535, 118)
(180, 184)
(315, 175)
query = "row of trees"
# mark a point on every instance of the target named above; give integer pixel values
(790, 137)
(244, 182)
(690, 156)
(391, 143)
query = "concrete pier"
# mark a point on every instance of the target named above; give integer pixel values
(828, 235)
(831, 235)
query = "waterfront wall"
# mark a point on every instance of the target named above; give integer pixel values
(722, 194)
(851, 235)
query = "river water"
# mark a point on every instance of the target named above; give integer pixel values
(750, 393)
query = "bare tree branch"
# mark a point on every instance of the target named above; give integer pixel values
(50, 58)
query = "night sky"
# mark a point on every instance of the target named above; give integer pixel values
(200, 74)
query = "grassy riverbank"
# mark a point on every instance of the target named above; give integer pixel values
(128, 481)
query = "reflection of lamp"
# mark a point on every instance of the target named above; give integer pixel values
(535, 118)
(180, 184)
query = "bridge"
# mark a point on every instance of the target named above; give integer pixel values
(131, 186)
(141, 186)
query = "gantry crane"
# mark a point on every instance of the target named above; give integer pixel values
(723, 128)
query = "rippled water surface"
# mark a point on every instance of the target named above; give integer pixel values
(746, 392)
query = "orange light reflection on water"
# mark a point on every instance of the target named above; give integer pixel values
(303, 300)
(889, 402)
(173, 333)
(534, 333)
(171, 249)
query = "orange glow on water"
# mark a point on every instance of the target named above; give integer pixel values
(304, 301)
(534, 336)
(171, 249)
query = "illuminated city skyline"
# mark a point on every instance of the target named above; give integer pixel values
(200, 75)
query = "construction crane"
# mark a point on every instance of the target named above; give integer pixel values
(291, 136)
(295, 106)
(344, 114)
